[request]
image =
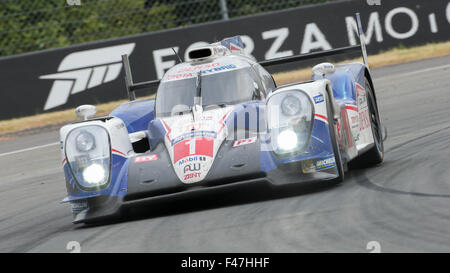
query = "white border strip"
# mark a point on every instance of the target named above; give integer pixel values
(415, 72)
(29, 149)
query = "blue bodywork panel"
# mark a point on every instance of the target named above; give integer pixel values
(135, 114)
(343, 81)
(116, 187)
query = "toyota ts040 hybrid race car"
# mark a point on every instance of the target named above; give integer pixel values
(220, 120)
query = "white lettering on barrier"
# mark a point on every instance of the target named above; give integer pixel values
(314, 39)
(374, 26)
(280, 36)
(160, 65)
(390, 29)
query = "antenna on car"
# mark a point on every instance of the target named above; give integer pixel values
(362, 41)
(198, 95)
(176, 53)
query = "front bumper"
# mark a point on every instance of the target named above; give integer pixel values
(102, 208)
(156, 180)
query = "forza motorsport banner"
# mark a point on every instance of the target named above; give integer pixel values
(92, 73)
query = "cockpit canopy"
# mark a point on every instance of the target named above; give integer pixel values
(224, 81)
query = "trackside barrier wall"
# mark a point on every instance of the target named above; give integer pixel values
(92, 73)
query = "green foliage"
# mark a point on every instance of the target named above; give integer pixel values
(30, 25)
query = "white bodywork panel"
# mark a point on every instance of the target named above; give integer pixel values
(193, 143)
(118, 133)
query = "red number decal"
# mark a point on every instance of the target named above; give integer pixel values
(193, 146)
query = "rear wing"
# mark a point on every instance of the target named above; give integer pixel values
(132, 87)
(361, 47)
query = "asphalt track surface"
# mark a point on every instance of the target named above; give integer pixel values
(403, 204)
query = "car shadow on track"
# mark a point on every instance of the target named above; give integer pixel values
(224, 198)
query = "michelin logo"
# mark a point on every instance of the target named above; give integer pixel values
(325, 163)
(83, 70)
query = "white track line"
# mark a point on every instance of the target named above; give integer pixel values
(29, 149)
(415, 72)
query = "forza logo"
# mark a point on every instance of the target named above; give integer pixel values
(83, 70)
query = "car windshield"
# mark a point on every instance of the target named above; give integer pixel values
(224, 88)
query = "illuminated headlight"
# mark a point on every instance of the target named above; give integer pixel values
(290, 105)
(95, 174)
(88, 154)
(85, 141)
(289, 120)
(287, 140)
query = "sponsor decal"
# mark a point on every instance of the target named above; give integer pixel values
(245, 141)
(204, 72)
(192, 167)
(83, 70)
(78, 205)
(364, 117)
(364, 121)
(191, 159)
(191, 175)
(200, 146)
(145, 158)
(197, 68)
(208, 134)
(318, 99)
(326, 163)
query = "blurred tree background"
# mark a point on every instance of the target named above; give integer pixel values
(31, 25)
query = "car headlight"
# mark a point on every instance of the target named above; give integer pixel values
(94, 174)
(289, 119)
(287, 140)
(290, 105)
(88, 154)
(85, 141)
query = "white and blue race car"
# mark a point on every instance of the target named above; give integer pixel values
(219, 120)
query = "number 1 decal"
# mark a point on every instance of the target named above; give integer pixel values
(191, 144)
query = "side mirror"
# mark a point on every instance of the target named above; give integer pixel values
(85, 111)
(323, 69)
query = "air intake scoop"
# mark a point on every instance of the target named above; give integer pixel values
(207, 52)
